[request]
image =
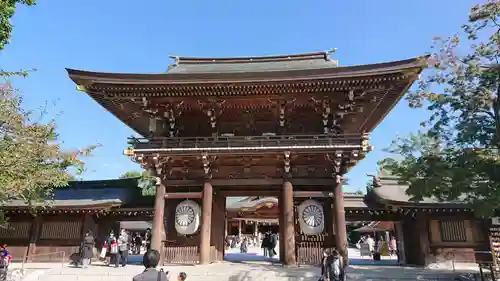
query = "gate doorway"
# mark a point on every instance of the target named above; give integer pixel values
(377, 243)
(252, 223)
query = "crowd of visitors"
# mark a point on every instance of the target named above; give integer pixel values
(267, 242)
(378, 246)
(116, 250)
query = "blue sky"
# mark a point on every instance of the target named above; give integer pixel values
(125, 36)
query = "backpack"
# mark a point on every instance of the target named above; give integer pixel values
(114, 248)
(4, 261)
(160, 273)
(336, 268)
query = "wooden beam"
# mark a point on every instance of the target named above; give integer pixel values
(254, 182)
(244, 193)
(316, 194)
(183, 195)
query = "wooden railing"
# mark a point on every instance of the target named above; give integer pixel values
(31, 257)
(249, 142)
(309, 253)
(181, 255)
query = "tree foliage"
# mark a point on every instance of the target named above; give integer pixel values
(7, 10)
(147, 182)
(31, 157)
(456, 154)
(32, 162)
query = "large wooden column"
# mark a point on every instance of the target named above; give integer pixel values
(329, 210)
(206, 223)
(288, 238)
(217, 235)
(34, 235)
(158, 218)
(340, 225)
(281, 223)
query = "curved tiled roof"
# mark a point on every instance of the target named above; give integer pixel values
(208, 70)
(87, 194)
(390, 190)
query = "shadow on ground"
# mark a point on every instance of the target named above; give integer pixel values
(277, 272)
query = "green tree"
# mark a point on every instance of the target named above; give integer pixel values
(147, 182)
(31, 157)
(456, 155)
(32, 162)
(7, 10)
(131, 175)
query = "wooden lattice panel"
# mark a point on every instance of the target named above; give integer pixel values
(16, 230)
(61, 230)
(495, 243)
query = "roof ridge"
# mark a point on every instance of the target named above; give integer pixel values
(273, 58)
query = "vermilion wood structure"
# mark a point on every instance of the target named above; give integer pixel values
(264, 126)
(427, 230)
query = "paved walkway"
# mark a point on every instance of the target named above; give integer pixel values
(251, 271)
(243, 267)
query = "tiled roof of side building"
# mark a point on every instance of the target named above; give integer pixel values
(390, 190)
(88, 194)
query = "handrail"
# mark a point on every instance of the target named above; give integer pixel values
(247, 143)
(63, 256)
(256, 137)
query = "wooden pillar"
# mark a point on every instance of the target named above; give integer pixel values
(281, 224)
(239, 227)
(34, 234)
(88, 224)
(289, 225)
(400, 242)
(223, 238)
(255, 228)
(340, 225)
(206, 223)
(329, 210)
(158, 218)
(423, 238)
(217, 235)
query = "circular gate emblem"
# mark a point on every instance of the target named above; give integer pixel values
(312, 216)
(184, 215)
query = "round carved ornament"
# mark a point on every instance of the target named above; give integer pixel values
(187, 217)
(184, 215)
(311, 217)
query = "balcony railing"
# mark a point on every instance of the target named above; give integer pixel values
(248, 143)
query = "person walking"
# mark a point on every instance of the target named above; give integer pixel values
(244, 246)
(266, 241)
(114, 252)
(87, 248)
(332, 267)
(137, 243)
(272, 245)
(123, 247)
(147, 238)
(150, 261)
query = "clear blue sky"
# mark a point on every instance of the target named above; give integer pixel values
(138, 36)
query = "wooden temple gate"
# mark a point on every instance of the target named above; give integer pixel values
(290, 126)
